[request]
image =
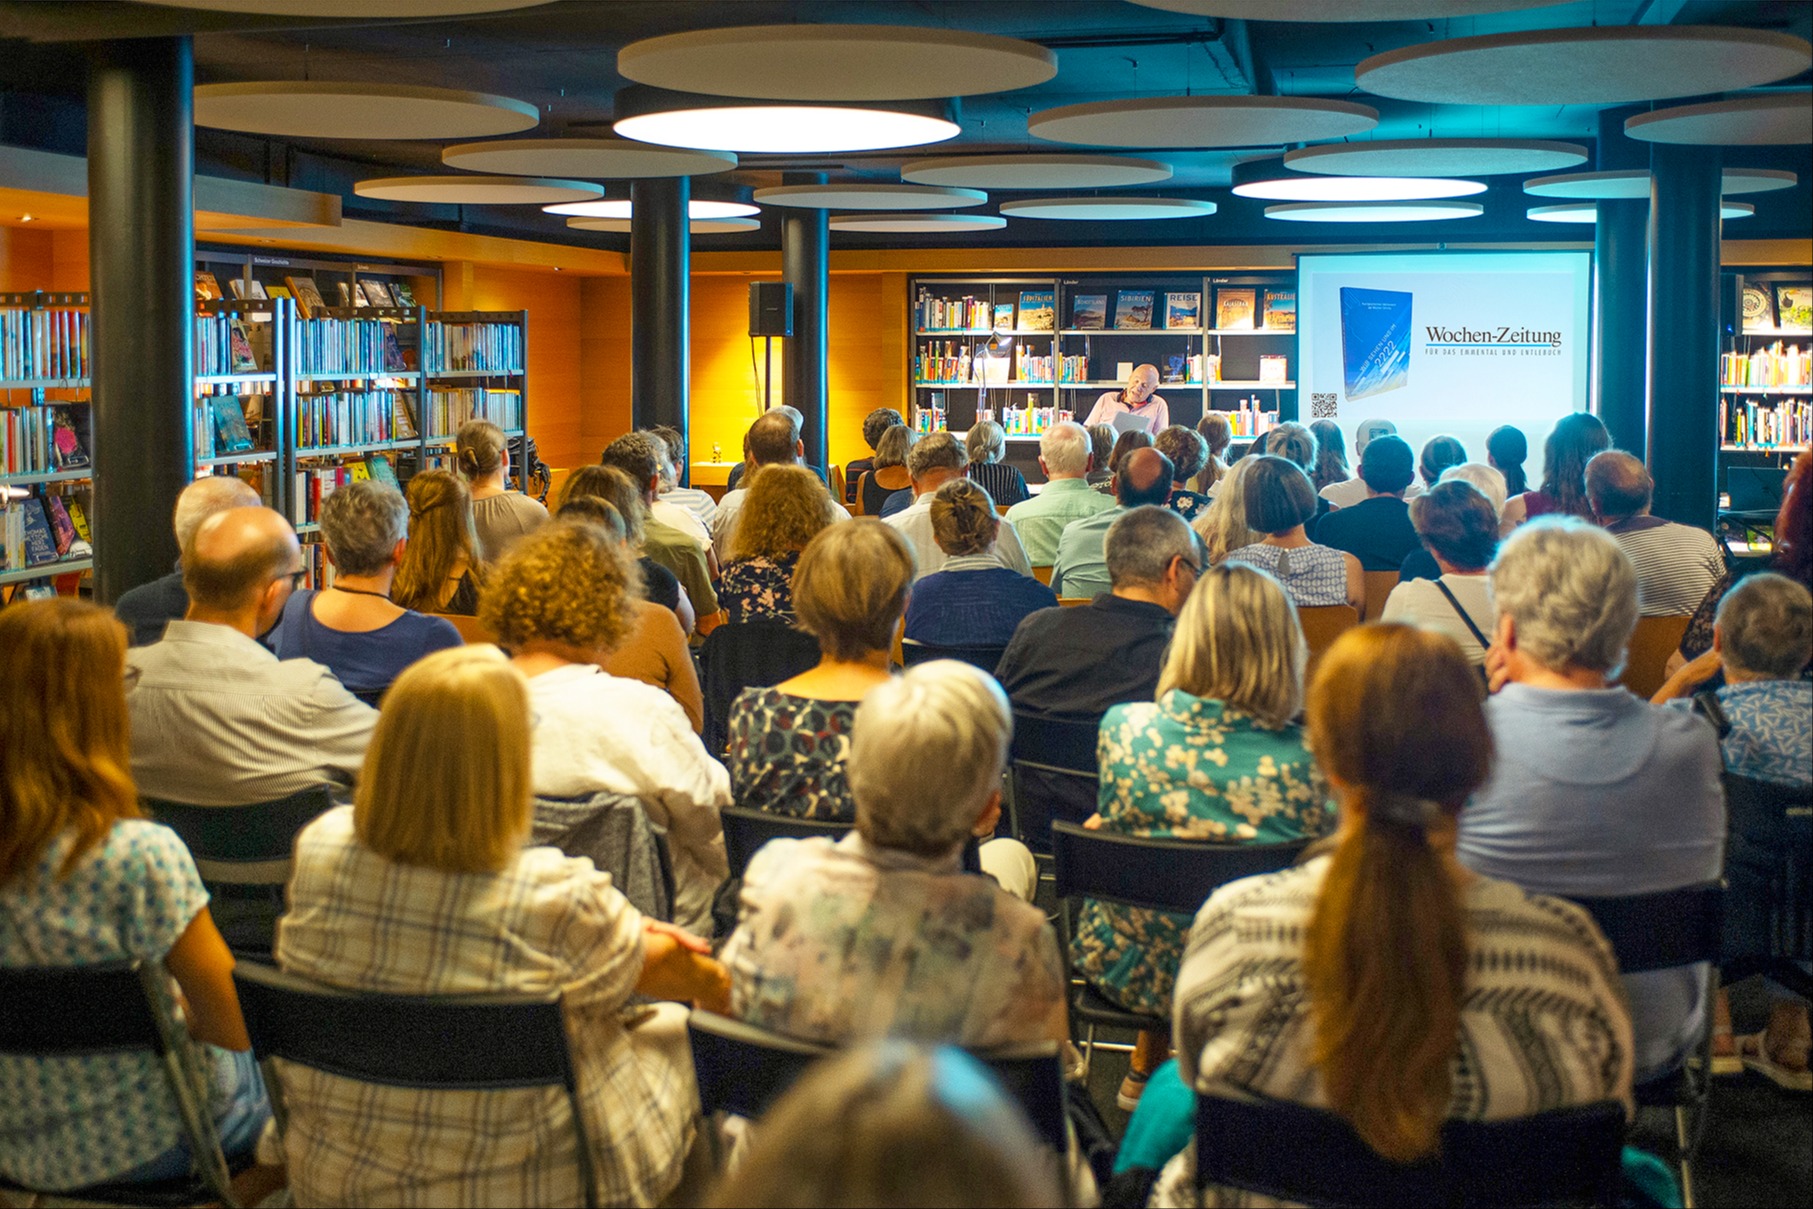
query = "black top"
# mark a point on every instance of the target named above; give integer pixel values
(1376, 531)
(1419, 564)
(1076, 662)
(659, 584)
(854, 471)
(1004, 484)
(874, 495)
(736, 475)
(146, 608)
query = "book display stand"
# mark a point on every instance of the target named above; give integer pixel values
(1765, 399)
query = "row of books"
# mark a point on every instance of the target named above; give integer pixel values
(353, 417)
(315, 484)
(1249, 420)
(928, 419)
(1037, 312)
(43, 343)
(1787, 424)
(45, 439)
(485, 347)
(223, 345)
(1027, 421)
(307, 295)
(1773, 366)
(1237, 308)
(224, 423)
(41, 529)
(449, 408)
(349, 346)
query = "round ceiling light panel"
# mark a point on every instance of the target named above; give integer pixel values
(1634, 183)
(351, 8)
(476, 190)
(697, 209)
(1586, 211)
(1036, 171)
(916, 224)
(1410, 211)
(1344, 10)
(602, 159)
(306, 109)
(698, 226)
(676, 119)
(1777, 119)
(1272, 187)
(870, 197)
(1595, 65)
(1108, 209)
(1217, 121)
(1436, 157)
(836, 62)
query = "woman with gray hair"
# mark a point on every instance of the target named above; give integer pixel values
(351, 625)
(986, 444)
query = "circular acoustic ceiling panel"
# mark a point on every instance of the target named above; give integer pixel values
(870, 197)
(684, 119)
(1036, 171)
(1436, 157)
(1582, 211)
(836, 62)
(1597, 65)
(351, 8)
(476, 190)
(698, 226)
(1117, 209)
(1277, 186)
(1219, 121)
(904, 224)
(302, 109)
(1779, 118)
(1634, 182)
(1340, 10)
(697, 209)
(1406, 211)
(602, 159)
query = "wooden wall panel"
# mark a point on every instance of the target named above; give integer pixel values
(25, 259)
(552, 301)
(604, 364)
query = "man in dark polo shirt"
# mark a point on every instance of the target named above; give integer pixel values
(146, 609)
(1377, 530)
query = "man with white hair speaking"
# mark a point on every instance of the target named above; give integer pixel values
(1065, 455)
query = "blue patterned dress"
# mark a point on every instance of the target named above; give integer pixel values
(1313, 575)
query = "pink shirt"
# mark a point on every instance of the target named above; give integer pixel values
(1154, 411)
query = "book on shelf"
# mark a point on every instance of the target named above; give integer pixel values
(246, 287)
(379, 468)
(1183, 310)
(49, 342)
(1038, 310)
(1274, 369)
(1234, 307)
(349, 294)
(68, 427)
(484, 347)
(307, 294)
(1784, 424)
(967, 313)
(1089, 312)
(1759, 308)
(378, 292)
(43, 439)
(40, 544)
(1794, 307)
(1004, 316)
(403, 293)
(280, 291)
(449, 408)
(207, 289)
(336, 418)
(1133, 310)
(1280, 314)
(1776, 366)
(228, 418)
(239, 345)
(62, 530)
(78, 516)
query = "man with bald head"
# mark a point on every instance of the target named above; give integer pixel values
(1066, 455)
(1136, 399)
(146, 608)
(1677, 565)
(1081, 567)
(773, 440)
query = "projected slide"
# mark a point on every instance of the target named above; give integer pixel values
(1444, 343)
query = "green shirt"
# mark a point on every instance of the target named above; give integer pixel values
(1040, 520)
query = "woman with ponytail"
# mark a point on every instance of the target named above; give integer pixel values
(1357, 981)
(499, 514)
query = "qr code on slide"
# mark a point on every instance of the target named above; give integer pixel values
(1322, 407)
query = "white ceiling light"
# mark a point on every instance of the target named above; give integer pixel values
(1357, 188)
(1109, 209)
(1776, 119)
(906, 224)
(476, 190)
(350, 8)
(1341, 10)
(1436, 157)
(1586, 211)
(870, 197)
(696, 209)
(698, 226)
(1036, 171)
(654, 115)
(307, 109)
(836, 62)
(1634, 182)
(603, 159)
(1218, 121)
(1595, 65)
(1412, 211)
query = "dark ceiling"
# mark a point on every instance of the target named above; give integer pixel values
(562, 57)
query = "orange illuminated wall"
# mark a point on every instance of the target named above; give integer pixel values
(552, 300)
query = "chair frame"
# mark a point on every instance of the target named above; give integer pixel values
(746, 830)
(1029, 729)
(987, 657)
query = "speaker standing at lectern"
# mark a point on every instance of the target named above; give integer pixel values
(1135, 401)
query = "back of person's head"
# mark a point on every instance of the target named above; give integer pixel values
(774, 439)
(634, 454)
(1794, 522)
(850, 587)
(1457, 523)
(446, 780)
(665, 473)
(1142, 544)
(1279, 496)
(964, 519)
(616, 488)
(1508, 449)
(1438, 454)
(1215, 430)
(1765, 627)
(441, 539)
(1292, 442)
(235, 555)
(362, 523)
(787, 506)
(479, 448)
(1145, 476)
(878, 422)
(1571, 591)
(985, 442)
(1572, 443)
(675, 441)
(1186, 449)
(206, 496)
(894, 446)
(594, 511)
(64, 760)
(1618, 486)
(1065, 450)
(1370, 430)
(1489, 481)
(567, 584)
(1101, 446)
(1223, 527)
(1331, 453)
(933, 453)
(1387, 466)
(1238, 642)
(893, 1125)
(926, 755)
(1126, 443)
(1396, 724)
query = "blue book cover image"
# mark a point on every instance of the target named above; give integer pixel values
(1375, 340)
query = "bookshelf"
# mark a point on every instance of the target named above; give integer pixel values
(46, 441)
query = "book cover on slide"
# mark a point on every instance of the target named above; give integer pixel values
(1375, 340)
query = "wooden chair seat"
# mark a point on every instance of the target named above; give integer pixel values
(469, 627)
(1042, 574)
(1322, 625)
(1378, 587)
(1651, 644)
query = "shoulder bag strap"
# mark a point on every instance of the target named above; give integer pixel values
(1706, 704)
(1478, 636)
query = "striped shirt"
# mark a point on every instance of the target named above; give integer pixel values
(1004, 484)
(1676, 564)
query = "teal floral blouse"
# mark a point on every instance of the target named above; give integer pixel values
(1187, 768)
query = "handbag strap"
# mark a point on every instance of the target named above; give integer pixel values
(1465, 617)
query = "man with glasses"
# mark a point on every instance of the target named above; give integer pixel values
(1135, 399)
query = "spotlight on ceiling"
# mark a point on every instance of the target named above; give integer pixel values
(677, 119)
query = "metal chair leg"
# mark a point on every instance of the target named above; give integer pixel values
(1687, 1144)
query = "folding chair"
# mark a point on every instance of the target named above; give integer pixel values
(745, 831)
(988, 658)
(1054, 775)
(117, 1007)
(429, 1042)
(1176, 876)
(1311, 1156)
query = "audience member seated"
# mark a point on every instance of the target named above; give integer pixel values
(613, 489)
(1279, 501)
(633, 454)
(1574, 441)
(1064, 456)
(1218, 757)
(774, 440)
(1217, 434)
(499, 514)
(786, 508)
(146, 608)
(934, 461)
(1081, 569)
(440, 571)
(352, 626)
(561, 603)
(1124, 444)
(1377, 530)
(85, 880)
(1419, 563)
(1506, 451)
(1331, 455)
(874, 426)
(796, 420)
(218, 720)
(1296, 445)
(426, 886)
(1459, 527)
(986, 444)
(1595, 792)
(1223, 527)
(697, 502)
(973, 600)
(1676, 564)
(881, 933)
(672, 513)
(889, 476)
(1187, 451)
(1101, 452)
(1351, 492)
(1382, 981)
(1439, 454)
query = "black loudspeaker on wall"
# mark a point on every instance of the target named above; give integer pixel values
(770, 308)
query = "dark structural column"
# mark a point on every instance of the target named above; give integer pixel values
(806, 265)
(141, 249)
(1684, 332)
(1621, 294)
(660, 304)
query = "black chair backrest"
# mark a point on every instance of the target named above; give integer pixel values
(261, 833)
(1168, 875)
(114, 1015)
(745, 831)
(988, 658)
(747, 654)
(1662, 930)
(1056, 744)
(1311, 1156)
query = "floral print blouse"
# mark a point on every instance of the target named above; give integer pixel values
(1187, 768)
(788, 755)
(759, 587)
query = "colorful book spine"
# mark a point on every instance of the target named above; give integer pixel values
(44, 344)
(1755, 424)
(474, 347)
(449, 408)
(1775, 366)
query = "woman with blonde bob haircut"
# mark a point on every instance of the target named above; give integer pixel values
(786, 508)
(424, 887)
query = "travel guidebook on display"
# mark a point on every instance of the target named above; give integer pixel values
(1038, 311)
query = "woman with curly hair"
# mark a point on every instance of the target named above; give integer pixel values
(440, 571)
(972, 600)
(561, 602)
(787, 507)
